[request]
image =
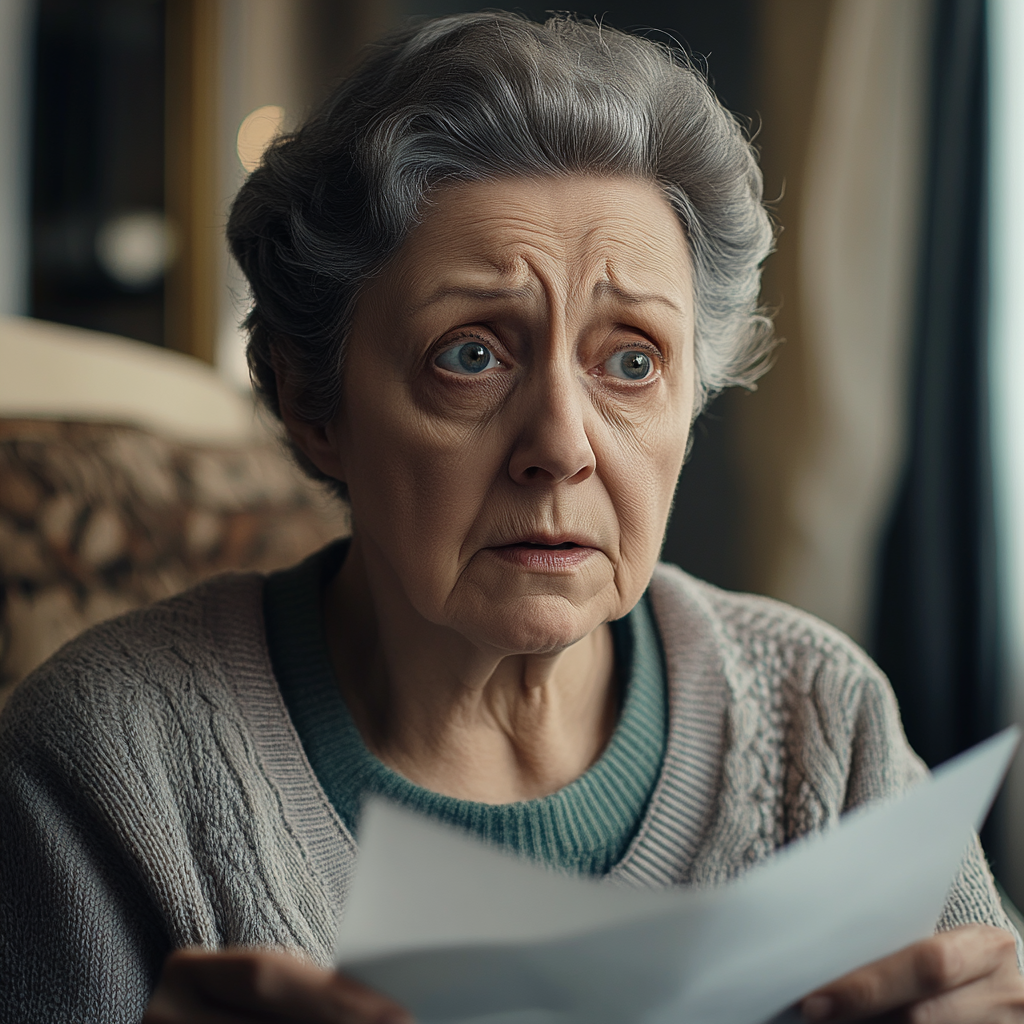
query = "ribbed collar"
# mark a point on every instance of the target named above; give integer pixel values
(584, 827)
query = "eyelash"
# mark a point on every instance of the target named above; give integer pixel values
(452, 340)
(642, 345)
(448, 342)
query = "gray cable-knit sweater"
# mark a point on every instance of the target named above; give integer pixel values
(154, 794)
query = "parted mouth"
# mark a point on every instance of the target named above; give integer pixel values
(563, 546)
(557, 542)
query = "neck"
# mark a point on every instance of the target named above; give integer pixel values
(457, 717)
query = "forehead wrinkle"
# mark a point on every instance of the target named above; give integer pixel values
(612, 242)
(452, 284)
(609, 287)
(512, 264)
(597, 277)
(536, 270)
(567, 266)
(663, 279)
(450, 291)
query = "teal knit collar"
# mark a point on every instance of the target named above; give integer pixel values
(584, 827)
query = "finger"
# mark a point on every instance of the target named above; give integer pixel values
(994, 999)
(170, 1006)
(919, 972)
(275, 986)
(273, 982)
(177, 1001)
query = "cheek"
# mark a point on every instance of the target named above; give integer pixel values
(417, 481)
(641, 467)
(641, 483)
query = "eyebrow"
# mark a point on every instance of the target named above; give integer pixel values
(635, 298)
(469, 292)
(600, 288)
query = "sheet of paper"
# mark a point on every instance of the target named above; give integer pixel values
(460, 932)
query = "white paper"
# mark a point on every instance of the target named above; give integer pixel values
(457, 931)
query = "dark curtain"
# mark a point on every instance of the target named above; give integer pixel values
(936, 631)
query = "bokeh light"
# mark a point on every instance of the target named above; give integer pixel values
(256, 132)
(135, 249)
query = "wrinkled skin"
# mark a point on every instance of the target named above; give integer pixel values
(477, 665)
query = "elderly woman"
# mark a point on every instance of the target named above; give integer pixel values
(495, 278)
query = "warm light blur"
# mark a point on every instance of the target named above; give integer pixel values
(257, 131)
(136, 248)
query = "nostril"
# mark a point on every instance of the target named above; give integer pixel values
(532, 474)
(536, 473)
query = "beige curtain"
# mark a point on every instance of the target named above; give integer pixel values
(844, 88)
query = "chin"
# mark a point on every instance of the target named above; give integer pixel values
(534, 624)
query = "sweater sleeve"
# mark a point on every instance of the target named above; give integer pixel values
(79, 938)
(141, 812)
(882, 763)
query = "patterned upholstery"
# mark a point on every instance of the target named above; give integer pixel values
(96, 519)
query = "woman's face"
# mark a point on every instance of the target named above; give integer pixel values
(516, 403)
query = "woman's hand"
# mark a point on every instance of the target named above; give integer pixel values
(965, 976)
(246, 986)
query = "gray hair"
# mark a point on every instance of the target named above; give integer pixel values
(481, 96)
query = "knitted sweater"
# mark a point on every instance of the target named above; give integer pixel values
(154, 793)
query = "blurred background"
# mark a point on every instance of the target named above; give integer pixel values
(875, 477)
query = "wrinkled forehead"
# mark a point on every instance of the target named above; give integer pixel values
(607, 237)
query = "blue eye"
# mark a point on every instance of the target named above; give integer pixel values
(629, 365)
(470, 357)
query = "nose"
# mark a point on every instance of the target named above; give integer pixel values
(553, 445)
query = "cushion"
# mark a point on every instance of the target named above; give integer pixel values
(96, 519)
(53, 371)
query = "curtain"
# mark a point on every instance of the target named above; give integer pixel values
(859, 224)
(936, 619)
(844, 89)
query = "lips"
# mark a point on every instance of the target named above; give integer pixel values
(551, 555)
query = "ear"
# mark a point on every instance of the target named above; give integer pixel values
(320, 443)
